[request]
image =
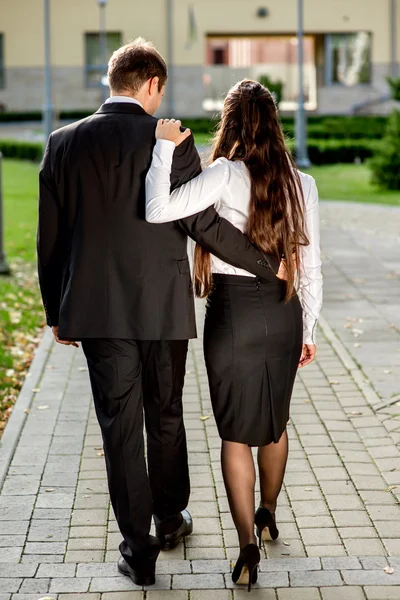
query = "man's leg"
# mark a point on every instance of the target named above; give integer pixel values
(164, 366)
(116, 377)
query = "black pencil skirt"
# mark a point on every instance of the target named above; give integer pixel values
(252, 346)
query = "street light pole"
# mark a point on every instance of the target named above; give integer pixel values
(48, 108)
(301, 127)
(4, 268)
(103, 44)
(169, 7)
(393, 37)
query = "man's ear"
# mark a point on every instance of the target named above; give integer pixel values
(154, 81)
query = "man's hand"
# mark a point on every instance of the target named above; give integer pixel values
(169, 129)
(63, 342)
(307, 355)
(282, 273)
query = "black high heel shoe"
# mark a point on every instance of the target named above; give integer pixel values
(246, 568)
(265, 525)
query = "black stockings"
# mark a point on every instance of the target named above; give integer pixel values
(240, 478)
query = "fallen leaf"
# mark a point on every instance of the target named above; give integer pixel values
(100, 454)
(357, 345)
(286, 543)
(49, 490)
(36, 390)
(387, 371)
(389, 570)
(204, 417)
(83, 369)
(27, 411)
(390, 488)
(99, 448)
(333, 382)
(355, 413)
(43, 407)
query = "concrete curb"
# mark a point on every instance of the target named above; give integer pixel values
(355, 371)
(13, 429)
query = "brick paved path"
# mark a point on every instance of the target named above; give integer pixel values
(339, 514)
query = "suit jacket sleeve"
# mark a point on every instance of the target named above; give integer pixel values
(51, 240)
(211, 231)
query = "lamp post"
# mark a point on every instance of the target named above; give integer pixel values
(103, 44)
(48, 108)
(169, 7)
(4, 268)
(301, 127)
(393, 38)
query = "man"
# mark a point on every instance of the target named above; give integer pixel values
(122, 286)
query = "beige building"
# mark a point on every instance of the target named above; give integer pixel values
(350, 49)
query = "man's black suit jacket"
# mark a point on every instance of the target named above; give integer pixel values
(104, 271)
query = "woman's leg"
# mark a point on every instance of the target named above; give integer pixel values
(272, 464)
(240, 477)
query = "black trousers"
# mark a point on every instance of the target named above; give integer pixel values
(129, 377)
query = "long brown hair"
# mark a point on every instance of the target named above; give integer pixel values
(250, 131)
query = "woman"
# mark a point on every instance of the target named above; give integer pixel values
(256, 333)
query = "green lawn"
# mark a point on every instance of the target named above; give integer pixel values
(21, 313)
(350, 182)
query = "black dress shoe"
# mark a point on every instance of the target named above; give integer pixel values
(144, 574)
(169, 541)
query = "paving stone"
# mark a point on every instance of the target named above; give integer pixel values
(90, 531)
(381, 593)
(339, 563)
(392, 546)
(111, 584)
(87, 544)
(10, 584)
(10, 555)
(79, 596)
(118, 596)
(326, 551)
(373, 577)
(303, 593)
(291, 564)
(210, 566)
(35, 586)
(81, 556)
(373, 562)
(316, 578)
(9, 570)
(324, 536)
(351, 518)
(34, 559)
(204, 553)
(206, 595)
(69, 584)
(365, 547)
(56, 570)
(344, 593)
(357, 532)
(45, 548)
(204, 581)
(171, 594)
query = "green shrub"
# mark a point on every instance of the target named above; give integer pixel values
(275, 87)
(325, 152)
(385, 166)
(23, 150)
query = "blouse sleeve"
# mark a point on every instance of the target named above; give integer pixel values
(310, 268)
(189, 199)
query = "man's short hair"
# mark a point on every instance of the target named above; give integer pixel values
(134, 64)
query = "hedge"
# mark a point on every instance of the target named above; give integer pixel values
(320, 151)
(23, 150)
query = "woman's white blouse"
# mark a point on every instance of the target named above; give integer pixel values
(226, 185)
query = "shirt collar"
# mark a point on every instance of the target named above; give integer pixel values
(123, 99)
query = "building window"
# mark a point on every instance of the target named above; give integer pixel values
(94, 70)
(2, 73)
(348, 58)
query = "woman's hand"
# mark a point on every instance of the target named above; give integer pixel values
(307, 355)
(169, 129)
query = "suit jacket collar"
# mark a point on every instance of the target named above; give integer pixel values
(121, 108)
